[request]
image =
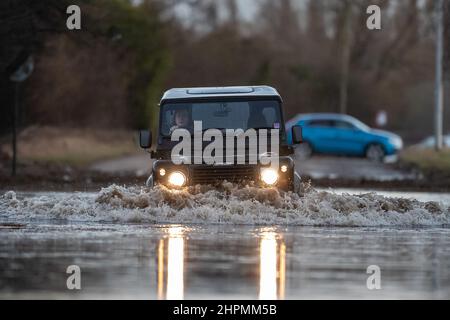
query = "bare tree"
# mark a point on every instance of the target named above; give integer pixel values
(345, 40)
(316, 23)
(233, 13)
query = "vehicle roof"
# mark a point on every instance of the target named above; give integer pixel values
(321, 116)
(218, 92)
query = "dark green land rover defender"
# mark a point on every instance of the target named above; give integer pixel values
(222, 116)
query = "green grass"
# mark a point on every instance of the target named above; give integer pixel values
(76, 147)
(82, 158)
(427, 160)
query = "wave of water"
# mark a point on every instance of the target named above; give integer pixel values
(228, 204)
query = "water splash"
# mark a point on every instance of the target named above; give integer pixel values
(228, 204)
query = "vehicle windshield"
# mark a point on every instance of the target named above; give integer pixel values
(260, 114)
(360, 125)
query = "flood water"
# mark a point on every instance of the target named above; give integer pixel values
(193, 250)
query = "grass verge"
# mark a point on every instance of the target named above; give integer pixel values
(71, 146)
(428, 161)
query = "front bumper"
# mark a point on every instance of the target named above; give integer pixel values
(216, 174)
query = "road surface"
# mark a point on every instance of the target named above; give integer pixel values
(138, 164)
(316, 167)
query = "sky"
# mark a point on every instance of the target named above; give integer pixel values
(247, 9)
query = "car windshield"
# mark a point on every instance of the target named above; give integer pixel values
(244, 115)
(360, 125)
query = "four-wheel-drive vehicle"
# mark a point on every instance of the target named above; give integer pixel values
(223, 109)
(330, 133)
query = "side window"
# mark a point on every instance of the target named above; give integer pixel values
(340, 124)
(320, 123)
(270, 116)
(167, 121)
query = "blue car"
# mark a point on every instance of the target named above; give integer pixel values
(339, 134)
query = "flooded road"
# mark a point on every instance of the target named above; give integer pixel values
(132, 243)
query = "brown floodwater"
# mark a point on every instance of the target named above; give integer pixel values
(131, 243)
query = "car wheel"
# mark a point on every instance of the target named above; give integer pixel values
(297, 183)
(303, 151)
(150, 181)
(375, 152)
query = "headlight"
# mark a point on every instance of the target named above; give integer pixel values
(177, 179)
(398, 143)
(269, 176)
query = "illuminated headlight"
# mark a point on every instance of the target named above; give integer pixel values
(269, 176)
(162, 172)
(284, 168)
(177, 179)
(397, 142)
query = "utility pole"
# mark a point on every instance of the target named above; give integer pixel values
(439, 87)
(346, 43)
(15, 119)
(21, 73)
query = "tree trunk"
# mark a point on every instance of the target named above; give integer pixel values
(346, 44)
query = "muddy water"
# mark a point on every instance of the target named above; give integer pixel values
(228, 243)
(230, 205)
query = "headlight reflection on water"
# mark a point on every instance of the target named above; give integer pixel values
(272, 267)
(175, 268)
(172, 251)
(175, 265)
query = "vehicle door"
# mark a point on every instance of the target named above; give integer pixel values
(321, 134)
(349, 140)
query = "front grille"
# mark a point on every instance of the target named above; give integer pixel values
(216, 174)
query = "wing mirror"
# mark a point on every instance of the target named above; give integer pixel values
(297, 134)
(145, 139)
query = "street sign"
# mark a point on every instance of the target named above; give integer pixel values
(24, 71)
